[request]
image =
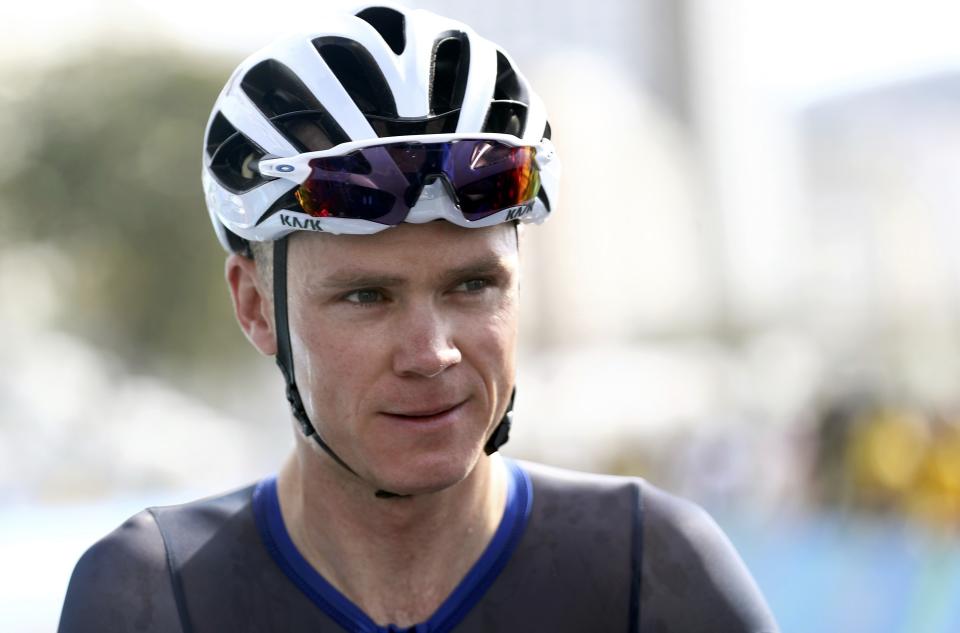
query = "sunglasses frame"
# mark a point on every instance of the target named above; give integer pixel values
(431, 205)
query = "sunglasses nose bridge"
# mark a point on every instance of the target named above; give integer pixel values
(436, 185)
(421, 171)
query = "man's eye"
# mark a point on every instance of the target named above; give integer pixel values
(473, 285)
(365, 296)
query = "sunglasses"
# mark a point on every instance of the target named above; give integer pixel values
(367, 186)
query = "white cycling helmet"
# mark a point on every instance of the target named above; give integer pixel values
(385, 73)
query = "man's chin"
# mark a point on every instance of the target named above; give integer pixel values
(425, 478)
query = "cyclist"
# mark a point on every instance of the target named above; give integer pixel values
(368, 180)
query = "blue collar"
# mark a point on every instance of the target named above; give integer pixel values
(273, 532)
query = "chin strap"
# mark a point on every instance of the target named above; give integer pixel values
(285, 354)
(285, 361)
(501, 434)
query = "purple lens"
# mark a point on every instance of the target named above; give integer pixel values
(365, 184)
(330, 199)
(381, 183)
(489, 177)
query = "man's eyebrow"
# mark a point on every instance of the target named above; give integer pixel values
(486, 266)
(346, 280)
(352, 279)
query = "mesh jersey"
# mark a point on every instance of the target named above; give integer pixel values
(574, 552)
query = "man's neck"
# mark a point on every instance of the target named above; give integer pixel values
(396, 559)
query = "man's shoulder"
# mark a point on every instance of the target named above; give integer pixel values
(124, 580)
(121, 582)
(655, 504)
(189, 524)
(692, 578)
(662, 512)
(567, 476)
(135, 543)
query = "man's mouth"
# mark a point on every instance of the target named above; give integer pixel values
(423, 413)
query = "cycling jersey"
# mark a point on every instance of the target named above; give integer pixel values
(573, 552)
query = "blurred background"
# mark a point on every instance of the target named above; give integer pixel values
(750, 296)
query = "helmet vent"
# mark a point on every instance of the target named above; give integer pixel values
(291, 107)
(233, 157)
(389, 23)
(394, 126)
(359, 74)
(508, 86)
(506, 117)
(451, 61)
(234, 164)
(220, 130)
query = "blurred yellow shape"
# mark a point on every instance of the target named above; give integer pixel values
(937, 493)
(886, 451)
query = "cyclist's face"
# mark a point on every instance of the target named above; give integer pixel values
(404, 346)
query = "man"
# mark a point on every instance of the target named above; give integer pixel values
(368, 180)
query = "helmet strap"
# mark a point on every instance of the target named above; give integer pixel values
(285, 353)
(501, 434)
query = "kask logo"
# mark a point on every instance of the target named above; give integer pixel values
(514, 213)
(296, 223)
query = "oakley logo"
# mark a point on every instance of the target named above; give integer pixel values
(297, 223)
(284, 168)
(518, 212)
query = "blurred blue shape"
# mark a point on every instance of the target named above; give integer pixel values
(857, 575)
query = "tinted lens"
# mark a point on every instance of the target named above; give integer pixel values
(352, 163)
(413, 158)
(380, 183)
(494, 177)
(358, 186)
(330, 199)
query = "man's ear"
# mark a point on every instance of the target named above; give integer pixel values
(252, 303)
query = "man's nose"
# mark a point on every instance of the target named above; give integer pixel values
(425, 346)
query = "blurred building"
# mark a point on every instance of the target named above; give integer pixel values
(882, 184)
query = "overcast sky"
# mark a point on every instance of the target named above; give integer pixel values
(808, 46)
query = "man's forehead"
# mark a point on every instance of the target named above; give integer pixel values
(434, 248)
